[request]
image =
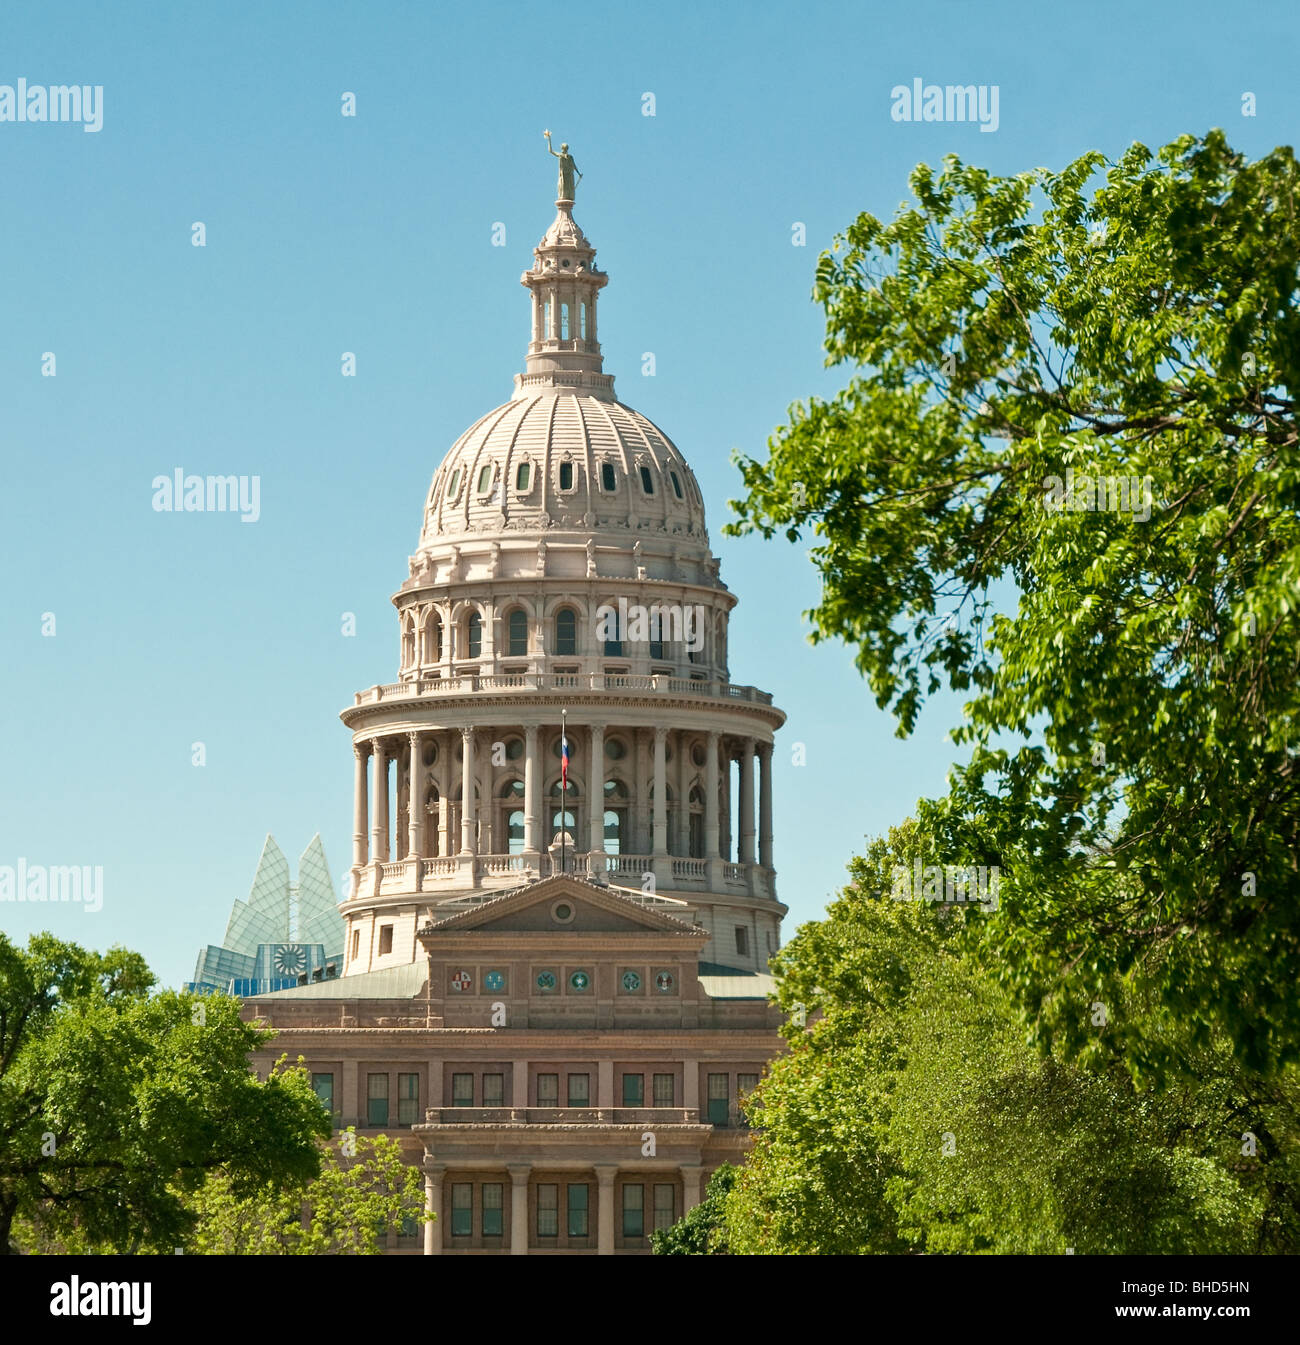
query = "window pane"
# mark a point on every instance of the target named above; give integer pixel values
(577, 1210)
(579, 1091)
(564, 322)
(518, 633)
(323, 1087)
(494, 1089)
(522, 475)
(665, 1203)
(566, 631)
(462, 1209)
(634, 1090)
(647, 482)
(385, 939)
(664, 1091)
(377, 1099)
(462, 1090)
(548, 1211)
(566, 476)
(548, 1090)
(408, 1098)
(492, 1209)
(633, 1211)
(607, 477)
(719, 1110)
(474, 629)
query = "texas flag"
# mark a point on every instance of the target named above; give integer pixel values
(564, 762)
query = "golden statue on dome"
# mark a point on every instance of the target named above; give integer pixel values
(568, 168)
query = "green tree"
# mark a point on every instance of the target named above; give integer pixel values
(358, 1196)
(701, 1231)
(911, 1113)
(1132, 682)
(116, 1103)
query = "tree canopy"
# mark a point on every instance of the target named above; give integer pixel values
(1063, 480)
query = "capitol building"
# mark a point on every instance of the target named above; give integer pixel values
(562, 899)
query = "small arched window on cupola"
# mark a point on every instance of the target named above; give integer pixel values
(564, 319)
(454, 484)
(677, 485)
(608, 477)
(473, 636)
(566, 476)
(485, 478)
(523, 477)
(647, 481)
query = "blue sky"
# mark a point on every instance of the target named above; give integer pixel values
(373, 235)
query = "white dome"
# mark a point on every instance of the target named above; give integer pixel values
(563, 460)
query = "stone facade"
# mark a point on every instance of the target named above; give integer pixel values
(555, 973)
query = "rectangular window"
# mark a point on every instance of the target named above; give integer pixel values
(462, 1209)
(356, 943)
(323, 1086)
(633, 1211)
(494, 1090)
(385, 939)
(742, 940)
(377, 1099)
(548, 1211)
(548, 1090)
(634, 1090)
(719, 1100)
(492, 1209)
(462, 1090)
(745, 1083)
(579, 1090)
(665, 1205)
(665, 1092)
(408, 1099)
(408, 1230)
(577, 1209)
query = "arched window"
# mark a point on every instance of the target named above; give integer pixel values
(408, 646)
(474, 636)
(582, 312)
(512, 816)
(616, 805)
(696, 837)
(432, 639)
(677, 485)
(564, 322)
(454, 484)
(566, 631)
(647, 481)
(546, 320)
(608, 480)
(564, 818)
(523, 474)
(517, 633)
(566, 476)
(485, 478)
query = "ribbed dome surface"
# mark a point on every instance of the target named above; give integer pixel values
(562, 460)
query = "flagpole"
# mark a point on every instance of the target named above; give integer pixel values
(564, 788)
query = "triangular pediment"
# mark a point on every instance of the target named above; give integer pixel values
(564, 903)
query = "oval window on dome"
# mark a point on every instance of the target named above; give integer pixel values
(485, 479)
(566, 476)
(523, 474)
(607, 478)
(677, 485)
(454, 484)
(647, 481)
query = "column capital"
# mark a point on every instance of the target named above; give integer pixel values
(519, 1172)
(361, 748)
(606, 1173)
(467, 734)
(413, 737)
(748, 745)
(661, 733)
(433, 1170)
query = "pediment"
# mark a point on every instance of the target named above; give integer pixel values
(540, 907)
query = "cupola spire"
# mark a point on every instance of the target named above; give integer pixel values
(564, 282)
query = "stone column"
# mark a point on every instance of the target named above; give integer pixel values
(642, 842)
(660, 843)
(443, 813)
(519, 1084)
(414, 803)
(765, 805)
(746, 825)
(712, 843)
(691, 1174)
(596, 790)
(433, 1174)
(726, 801)
(532, 771)
(605, 1084)
(468, 838)
(691, 1085)
(360, 854)
(519, 1173)
(379, 788)
(605, 1174)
